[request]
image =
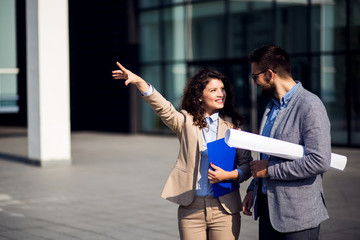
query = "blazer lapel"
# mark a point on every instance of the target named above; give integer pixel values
(221, 128)
(200, 138)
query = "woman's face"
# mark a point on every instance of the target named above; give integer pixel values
(213, 97)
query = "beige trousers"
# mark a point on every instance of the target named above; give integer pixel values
(205, 218)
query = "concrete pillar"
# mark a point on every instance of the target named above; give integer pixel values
(48, 82)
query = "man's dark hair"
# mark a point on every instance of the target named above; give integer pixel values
(271, 57)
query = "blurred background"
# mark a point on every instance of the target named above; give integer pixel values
(59, 104)
(166, 41)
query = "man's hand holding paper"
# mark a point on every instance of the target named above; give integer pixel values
(259, 168)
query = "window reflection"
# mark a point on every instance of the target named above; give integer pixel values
(171, 1)
(300, 71)
(355, 24)
(175, 79)
(250, 26)
(147, 3)
(241, 89)
(355, 105)
(332, 83)
(178, 36)
(174, 33)
(291, 22)
(206, 31)
(149, 121)
(328, 25)
(149, 36)
(8, 58)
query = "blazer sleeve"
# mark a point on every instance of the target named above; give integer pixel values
(243, 163)
(166, 111)
(315, 134)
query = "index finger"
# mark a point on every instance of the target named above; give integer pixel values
(214, 166)
(120, 66)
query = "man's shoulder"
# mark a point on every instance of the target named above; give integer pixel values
(307, 93)
(310, 105)
(307, 98)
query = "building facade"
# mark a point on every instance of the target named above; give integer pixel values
(166, 41)
(322, 38)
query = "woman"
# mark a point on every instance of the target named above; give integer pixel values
(206, 103)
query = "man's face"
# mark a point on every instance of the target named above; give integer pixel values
(261, 78)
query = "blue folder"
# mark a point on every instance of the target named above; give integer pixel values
(223, 156)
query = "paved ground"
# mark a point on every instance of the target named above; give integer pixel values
(112, 190)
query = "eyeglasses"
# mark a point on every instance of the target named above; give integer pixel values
(254, 76)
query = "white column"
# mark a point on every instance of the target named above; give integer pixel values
(48, 82)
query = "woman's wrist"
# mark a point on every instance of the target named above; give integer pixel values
(141, 85)
(233, 175)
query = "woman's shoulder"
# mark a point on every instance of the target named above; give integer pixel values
(188, 117)
(185, 113)
(228, 121)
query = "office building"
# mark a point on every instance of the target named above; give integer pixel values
(166, 41)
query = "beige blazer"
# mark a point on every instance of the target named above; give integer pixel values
(180, 185)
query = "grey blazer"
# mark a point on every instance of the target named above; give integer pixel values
(295, 192)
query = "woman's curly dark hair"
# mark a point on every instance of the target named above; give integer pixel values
(193, 91)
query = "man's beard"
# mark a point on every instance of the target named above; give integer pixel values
(268, 90)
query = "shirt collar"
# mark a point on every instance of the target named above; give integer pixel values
(214, 117)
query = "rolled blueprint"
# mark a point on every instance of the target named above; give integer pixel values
(274, 147)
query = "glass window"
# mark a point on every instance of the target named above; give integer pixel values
(179, 37)
(331, 81)
(194, 68)
(8, 92)
(237, 30)
(149, 121)
(250, 26)
(148, 4)
(206, 31)
(171, 1)
(199, 0)
(328, 25)
(355, 24)
(241, 90)
(150, 36)
(174, 33)
(175, 80)
(300, 70)
(355, 95)
(291, 25)
(315, 83)
(8, 60)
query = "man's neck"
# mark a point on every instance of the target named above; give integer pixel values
(283, 86)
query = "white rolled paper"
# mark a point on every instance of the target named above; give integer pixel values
(275, 147)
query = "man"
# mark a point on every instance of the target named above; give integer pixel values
(288, 195)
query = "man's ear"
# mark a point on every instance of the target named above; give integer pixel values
(272, 74)
(269, 75)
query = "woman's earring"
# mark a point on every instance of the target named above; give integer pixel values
(200, 100)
